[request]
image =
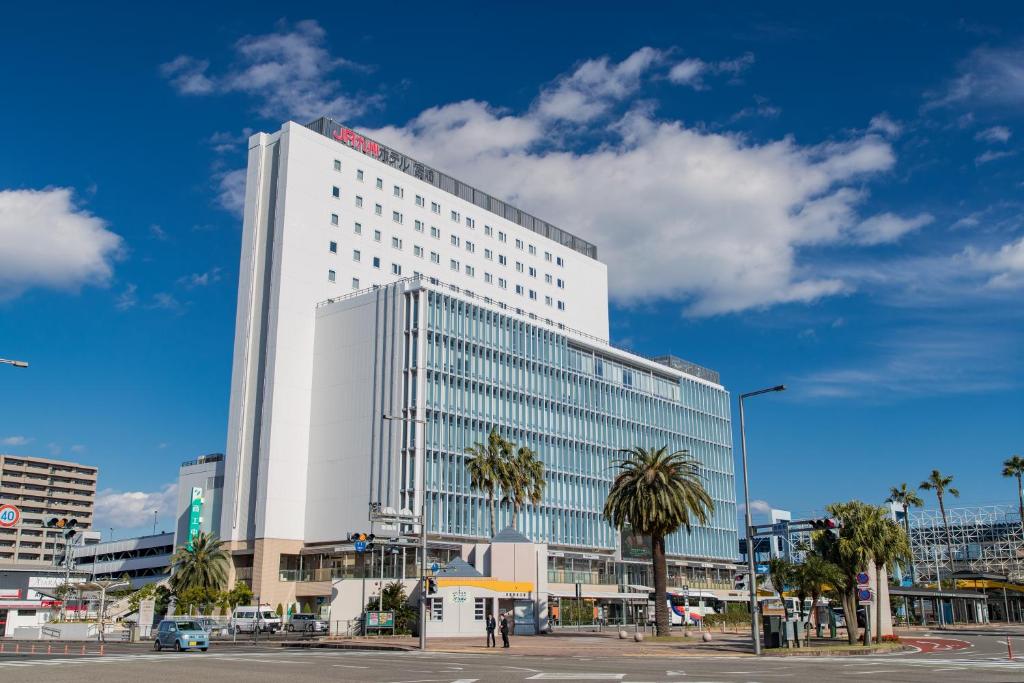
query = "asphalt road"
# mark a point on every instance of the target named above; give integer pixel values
(982, 660)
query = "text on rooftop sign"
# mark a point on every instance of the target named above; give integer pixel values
(350, 138)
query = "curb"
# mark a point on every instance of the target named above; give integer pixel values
(824, 652)
(333, 645)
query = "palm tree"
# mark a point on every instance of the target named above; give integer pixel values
(523, 480)
(487, 469)
(781, 572)
(202, 566)
(813, 578)
(849, 552)
(940, 483)
(656, 493)
(1014, 467)
(889, 546)
(908, 498)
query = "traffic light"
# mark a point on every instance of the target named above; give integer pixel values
(363, 540)
(826, 524)
(67, 525)
(431, 586)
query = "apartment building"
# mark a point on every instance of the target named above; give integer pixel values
(43, 488)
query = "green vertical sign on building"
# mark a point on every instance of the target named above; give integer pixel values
(195, 519)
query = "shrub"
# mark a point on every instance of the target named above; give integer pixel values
(891, 638)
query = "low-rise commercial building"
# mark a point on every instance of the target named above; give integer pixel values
(144, 559)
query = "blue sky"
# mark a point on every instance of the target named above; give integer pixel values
(830, 200)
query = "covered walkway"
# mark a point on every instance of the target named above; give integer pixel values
(925, 606)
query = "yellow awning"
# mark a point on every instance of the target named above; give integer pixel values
(487, 582)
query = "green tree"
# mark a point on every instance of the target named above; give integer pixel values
(889, 546)
(197, 599)
(486, 469)
(241, 594)
(204, 565)
(1014, 467)
(395, 600)
(813, 577)
(849, 552)
(781, 572)
(279, 611)
(657, 493)
(522, 480)
(907, 498)
(940, 484)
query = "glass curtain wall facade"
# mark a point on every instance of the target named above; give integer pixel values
(573, 403)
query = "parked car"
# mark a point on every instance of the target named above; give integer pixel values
(180, 635)
(305, 622)
(248, 619)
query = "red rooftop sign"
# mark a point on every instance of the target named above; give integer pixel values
(356, 141)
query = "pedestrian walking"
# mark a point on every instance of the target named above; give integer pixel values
(491, 625)
(504, 630)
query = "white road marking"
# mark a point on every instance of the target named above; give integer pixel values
(351, 666)
(576, 677)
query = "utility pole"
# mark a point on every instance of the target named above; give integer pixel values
(154, 521)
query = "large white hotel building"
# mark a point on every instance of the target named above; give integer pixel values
(372, 286)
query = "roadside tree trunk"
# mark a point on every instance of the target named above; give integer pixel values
(494, 517)
(850, 612)
(661, 618)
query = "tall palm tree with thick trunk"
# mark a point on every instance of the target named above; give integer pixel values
(850, 552)
(908, 498)
(657, 493)
(940, 484)
(781, 571)
(523, 480)
(1014, 467)
(486, 467)
(889, 545)
(203, 566)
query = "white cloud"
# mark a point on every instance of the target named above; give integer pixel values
(991, 155)
(128, 298)
(49, 242)
(989, 76)
(689, 72)
(289, 72)
(719, 218)
(15, 441)
(231, 190)
(1004, 266)
(692, 70)
(994, 134)
(134, 509)
(886, 227)
(193, 280)
(594, 86)
(924, 361)
(157, 233)
(884, 124)
(77, 448)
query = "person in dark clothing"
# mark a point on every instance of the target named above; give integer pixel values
(491, 625)
(504, 630)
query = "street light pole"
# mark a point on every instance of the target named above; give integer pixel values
(423, 533)
(15, 363)
(751, 570)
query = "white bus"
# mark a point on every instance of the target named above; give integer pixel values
(688, 608)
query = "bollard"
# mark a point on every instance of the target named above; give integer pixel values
(1009, 649)
(83, 648)
(49, 648)
(32, 649)
(17, 648)
(66, 646)
(1, 648)
(101, 649)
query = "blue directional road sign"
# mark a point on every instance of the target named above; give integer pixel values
(435, 567)
(360, 546)
(761, 568)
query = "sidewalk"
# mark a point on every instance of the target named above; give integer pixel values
(559, 644)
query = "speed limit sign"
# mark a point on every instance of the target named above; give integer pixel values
(9, 515)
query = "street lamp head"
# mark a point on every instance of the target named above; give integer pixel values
(781, 387)
(20, 364)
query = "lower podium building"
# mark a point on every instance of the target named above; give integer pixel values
(408, 375)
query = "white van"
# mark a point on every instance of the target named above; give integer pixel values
(246, 619)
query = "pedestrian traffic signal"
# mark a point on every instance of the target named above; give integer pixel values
(827, 524)
(741, 582)
(431, 586)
